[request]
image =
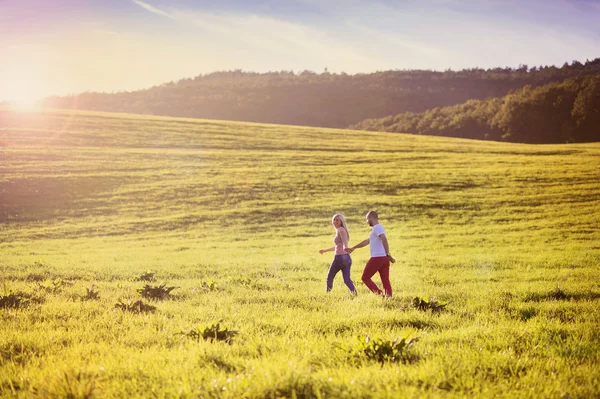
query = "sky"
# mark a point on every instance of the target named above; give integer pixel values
(58, 47)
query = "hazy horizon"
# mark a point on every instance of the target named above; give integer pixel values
(68, 46)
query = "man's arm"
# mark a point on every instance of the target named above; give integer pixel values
(359, 245)
(386, 246)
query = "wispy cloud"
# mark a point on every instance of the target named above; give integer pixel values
(274, 41)
(152, 9)
(249, 39)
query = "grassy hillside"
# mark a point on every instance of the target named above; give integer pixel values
(234, 214)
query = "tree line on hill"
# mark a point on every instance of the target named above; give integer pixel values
(326, 99)
(559, 112)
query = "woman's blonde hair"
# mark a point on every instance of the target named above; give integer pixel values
(341, 217)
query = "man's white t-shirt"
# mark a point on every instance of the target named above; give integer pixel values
(375, 243)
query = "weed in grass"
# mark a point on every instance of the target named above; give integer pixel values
(91, 294)
(212, 332)
(382, 350)
(15, 300)
(53, 286)
(135, 307)
(210, 285)
(243, 281)
(146, 276)
(432, 304)
(249, 283)
(156, 291)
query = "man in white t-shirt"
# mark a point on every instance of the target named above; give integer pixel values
(380, 256)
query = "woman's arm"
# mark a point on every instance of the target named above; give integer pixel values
(322, 251)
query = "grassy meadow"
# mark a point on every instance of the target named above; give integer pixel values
(95, 206)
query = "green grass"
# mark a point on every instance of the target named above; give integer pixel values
(233, 215)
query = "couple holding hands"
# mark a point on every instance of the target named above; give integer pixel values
(379, 261)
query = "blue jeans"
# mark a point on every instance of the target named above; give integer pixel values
(344, 263)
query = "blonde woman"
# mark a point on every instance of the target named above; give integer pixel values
(342, 260)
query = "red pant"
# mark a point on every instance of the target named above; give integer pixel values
(379, 264)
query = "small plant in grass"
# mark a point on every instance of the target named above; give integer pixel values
(135, 307)
(558, 294)
(210, 285)
(156, 291)
(382, 350)
(91, 294)
(53, 286)
(249, 283)
(11, 299)
(432, 304)
(245, 281)
(212, 332)
(146, 276)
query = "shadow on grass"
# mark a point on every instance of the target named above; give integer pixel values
(410, 323)
(560, 295)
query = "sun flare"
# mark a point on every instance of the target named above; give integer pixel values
(25, 105)
(24, 93)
